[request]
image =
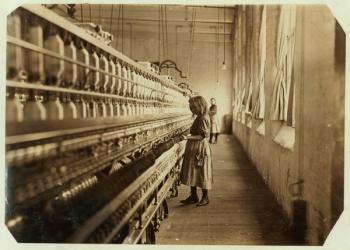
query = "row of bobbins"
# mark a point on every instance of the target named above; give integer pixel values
(79, 66)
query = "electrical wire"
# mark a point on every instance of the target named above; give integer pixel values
(117, 38)
(81, 13)
(166, 33)
(122, 29)
(99, 14)
(193, 24)
(163, 31)
(176, 43)
(216, 56)
(161, 28)
(130, 39)
(224, 34)
(90, 12)
(217, 48)
(111, 20)
(159, 10)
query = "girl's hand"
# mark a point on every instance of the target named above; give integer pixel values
(184, 137)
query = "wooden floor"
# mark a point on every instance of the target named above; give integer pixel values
(242, 211)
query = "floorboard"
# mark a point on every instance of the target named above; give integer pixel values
(242, 211)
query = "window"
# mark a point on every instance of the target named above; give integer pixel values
(283, 93)
(283, 106)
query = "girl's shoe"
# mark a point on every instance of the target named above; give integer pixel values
(203, 202)
(190, 200)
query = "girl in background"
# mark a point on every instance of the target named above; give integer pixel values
(214, 121)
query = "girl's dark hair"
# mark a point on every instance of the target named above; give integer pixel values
(198, 105)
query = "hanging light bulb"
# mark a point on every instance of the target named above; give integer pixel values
(224, 66)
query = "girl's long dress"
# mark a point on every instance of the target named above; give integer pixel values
(197, 167)
(214, 120)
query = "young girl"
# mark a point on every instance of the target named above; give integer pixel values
(197, 163)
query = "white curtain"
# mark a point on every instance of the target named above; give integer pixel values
(285, 56)
(236, 97)
(248, 108)
(242, 106)
(259, 109)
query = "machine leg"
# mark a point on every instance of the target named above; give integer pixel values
(165, 209)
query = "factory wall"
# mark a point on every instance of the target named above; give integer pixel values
(203, 68)
(306, 176)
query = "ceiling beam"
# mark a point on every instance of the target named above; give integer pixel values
(115, 19)
(171, 21)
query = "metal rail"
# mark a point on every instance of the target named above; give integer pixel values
(76, 171)
(34, 86)
(30, 131)
(136, 234)
(89, 226)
